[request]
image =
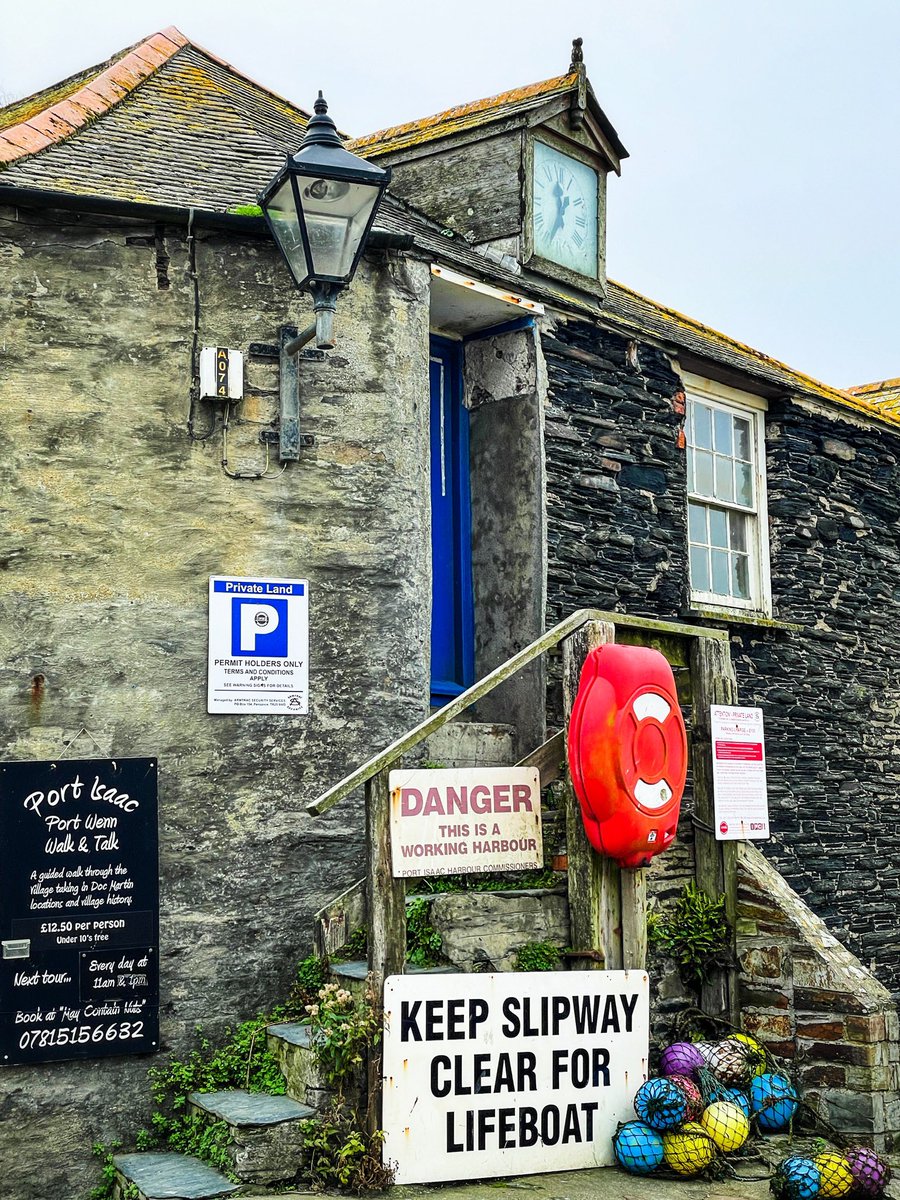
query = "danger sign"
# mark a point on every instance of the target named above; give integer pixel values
(449, 822)
(507, 1074)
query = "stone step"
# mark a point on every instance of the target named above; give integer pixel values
(353, 974)
(265, 1133)
(160, 1175)
(291, 1046)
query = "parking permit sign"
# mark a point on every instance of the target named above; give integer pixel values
(258, 646)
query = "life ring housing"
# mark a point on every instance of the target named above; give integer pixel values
(627, 750)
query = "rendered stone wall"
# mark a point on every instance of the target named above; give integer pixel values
(113, 520)
(830, 689)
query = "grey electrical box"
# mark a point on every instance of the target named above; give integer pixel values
(221, 373)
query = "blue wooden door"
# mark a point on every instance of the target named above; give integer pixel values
(452, 625)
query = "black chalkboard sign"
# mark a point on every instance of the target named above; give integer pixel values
(79, 909)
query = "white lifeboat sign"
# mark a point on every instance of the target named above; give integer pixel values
(458, 822)
(739, 773)
(509, 1074)
(258, 646)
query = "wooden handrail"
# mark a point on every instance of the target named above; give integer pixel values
(487, 684)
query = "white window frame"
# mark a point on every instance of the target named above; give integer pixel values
(753, 408)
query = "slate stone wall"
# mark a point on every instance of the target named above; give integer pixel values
(830, 690)
(113, 519)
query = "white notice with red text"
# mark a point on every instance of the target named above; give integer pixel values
(739, 773)
(449, 822)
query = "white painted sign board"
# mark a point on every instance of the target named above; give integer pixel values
(510, 1074)
(461, 822)
(258, 646)
(739, 773)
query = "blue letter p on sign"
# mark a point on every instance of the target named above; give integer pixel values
(259, 628)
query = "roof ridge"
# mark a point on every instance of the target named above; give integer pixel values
(121, 75)
(880, 385)
(684, 319)
(471, 107)
(222, 62)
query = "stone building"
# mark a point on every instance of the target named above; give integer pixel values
(501, 436)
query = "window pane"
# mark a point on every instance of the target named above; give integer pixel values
(697, 523)
(738, 525)
(699, 569)
(703, 473)
(702, 426)
(718, 528)
(720, 572)
(690, 470)
(740, 576)
(742, 439)
(723, 432)
(744, 482)
(724, 478)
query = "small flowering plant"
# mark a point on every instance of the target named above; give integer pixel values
(343, 1031)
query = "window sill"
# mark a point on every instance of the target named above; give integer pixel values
(739, 616)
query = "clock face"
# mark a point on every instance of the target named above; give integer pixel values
(564, 208)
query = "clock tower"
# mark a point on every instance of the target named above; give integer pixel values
(521, 175)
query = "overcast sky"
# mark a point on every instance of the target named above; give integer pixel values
(763, 189)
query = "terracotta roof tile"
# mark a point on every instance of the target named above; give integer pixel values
(52, 123)
(193, 134)
(72, 104)
(27, 139)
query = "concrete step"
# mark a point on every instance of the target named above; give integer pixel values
(472, 744)
(265, 1132)
(159, 1175)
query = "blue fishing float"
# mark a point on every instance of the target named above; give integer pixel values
(661, 1104)
(796, 1178)
(638, 1148)
(773, 1101)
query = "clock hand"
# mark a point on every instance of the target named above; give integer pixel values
(562, 203)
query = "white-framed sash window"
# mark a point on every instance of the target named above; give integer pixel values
(726, 499)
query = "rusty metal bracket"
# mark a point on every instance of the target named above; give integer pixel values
(596, 956)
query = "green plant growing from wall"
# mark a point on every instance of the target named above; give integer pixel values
(538, 956)
(423, 942)
(695, 933)
(343, 1030)
(340, 1155)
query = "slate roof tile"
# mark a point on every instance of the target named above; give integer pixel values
(186, 131)
(166, 123)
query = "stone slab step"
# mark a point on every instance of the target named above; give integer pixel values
(240, 1108)
(291, 1046)
(159, 1175)
(265, 1132)
(356, 972)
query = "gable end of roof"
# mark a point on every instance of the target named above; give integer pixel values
(96, 96)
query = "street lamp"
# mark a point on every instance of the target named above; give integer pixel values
(320, 207)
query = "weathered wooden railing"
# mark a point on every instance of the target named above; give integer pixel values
(607, 905)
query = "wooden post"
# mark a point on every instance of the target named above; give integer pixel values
(594, 902)
(386, 897)
(633, 883)
(713, 682)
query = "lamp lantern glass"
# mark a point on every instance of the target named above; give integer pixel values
(321, 205)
